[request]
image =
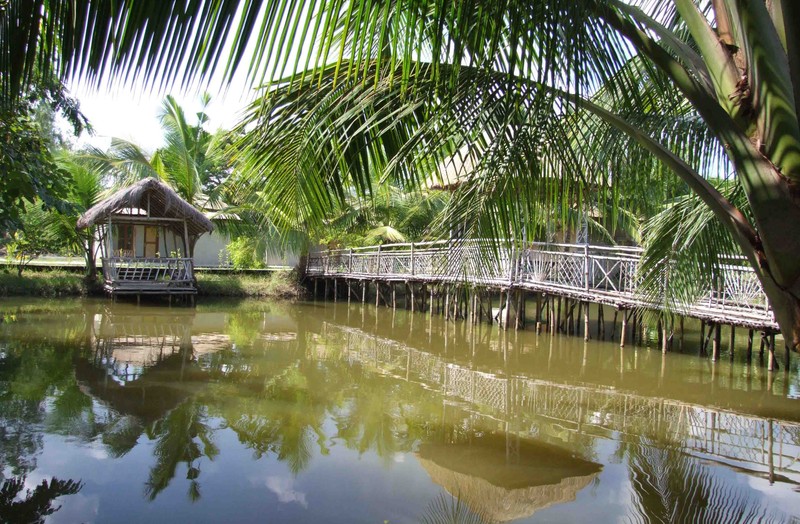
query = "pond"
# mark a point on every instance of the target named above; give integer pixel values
(320, 412)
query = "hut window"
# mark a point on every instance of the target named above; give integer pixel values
(124, 240)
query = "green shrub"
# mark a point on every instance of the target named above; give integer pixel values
(242, 254)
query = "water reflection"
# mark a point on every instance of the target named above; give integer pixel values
(511, 426)
(35, 504)
(504, 477)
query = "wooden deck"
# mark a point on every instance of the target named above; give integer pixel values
(588, 273)
(148, 276)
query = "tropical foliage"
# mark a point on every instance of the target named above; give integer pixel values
(530, 88)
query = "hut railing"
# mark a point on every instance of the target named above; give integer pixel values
(154, 271)
(590, 272)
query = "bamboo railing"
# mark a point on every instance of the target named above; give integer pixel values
(148, 275)
(600, 274)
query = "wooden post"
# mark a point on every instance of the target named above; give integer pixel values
(363, 292)
(187, 247)
(394, 294)
(411, 288)
(614, 324)
(586, 322)
(664, 336)
(412, 259)
(717, 342)
(732, 342)
(601, 322)
(335, 289)
(538, 311)
(586, 265)
(749, 346)
(702, 335)
(558, 315)
(771, 349)
(326, 289)
(623, 329)
(377, 292)
(315, 288)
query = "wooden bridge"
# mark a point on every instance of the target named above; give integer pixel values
(462, 279)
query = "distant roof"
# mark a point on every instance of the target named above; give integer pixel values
(164, 203)
(454, 170)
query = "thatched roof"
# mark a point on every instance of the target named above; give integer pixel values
(164, 202)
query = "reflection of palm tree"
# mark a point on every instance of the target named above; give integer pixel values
(372, 421)
(287, 417)
(671, 486)
(452, 510)
(177, 435)
(37, 504)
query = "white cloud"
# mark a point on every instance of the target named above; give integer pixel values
(284, 488)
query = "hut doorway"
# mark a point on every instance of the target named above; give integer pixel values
(151, 242)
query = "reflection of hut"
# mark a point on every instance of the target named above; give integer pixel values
(147, 235)
(144, 364)
(505, 486)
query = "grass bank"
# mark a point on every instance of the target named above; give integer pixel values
(60, 283)
(277, 284)
(54, 283)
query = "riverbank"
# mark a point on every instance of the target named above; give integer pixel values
(62, 283)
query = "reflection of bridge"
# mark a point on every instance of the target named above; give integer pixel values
(722, 435)
(598, 274)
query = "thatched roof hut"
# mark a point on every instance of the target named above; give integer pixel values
(152, 198)
(147, 234)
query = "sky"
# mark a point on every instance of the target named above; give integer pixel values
(131, 113)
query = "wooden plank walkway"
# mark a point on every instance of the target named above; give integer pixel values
(584, 273)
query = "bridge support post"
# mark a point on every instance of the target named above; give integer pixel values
(732, 342)
(749, 354)
(601, 322)
(702, 335)
(586, 322)
(623, 329)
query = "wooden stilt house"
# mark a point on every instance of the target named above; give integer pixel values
(147, 235)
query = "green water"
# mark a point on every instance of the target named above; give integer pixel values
(277, 412)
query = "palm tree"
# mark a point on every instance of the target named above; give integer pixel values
(491, 75)
(500, 75)
(191, 161)
(84, 190)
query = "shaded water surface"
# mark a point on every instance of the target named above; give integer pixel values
(258, 411)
